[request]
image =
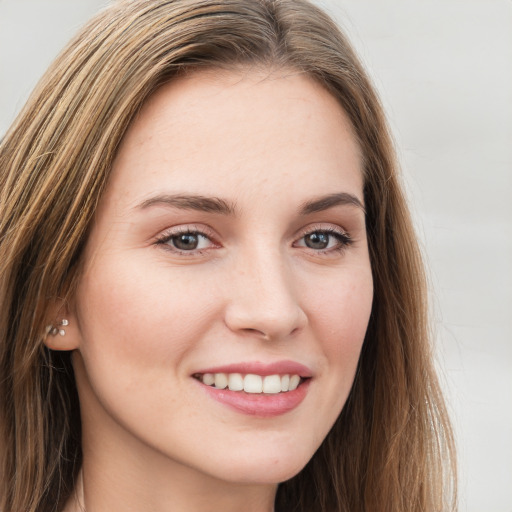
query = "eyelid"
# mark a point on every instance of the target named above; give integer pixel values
(322, 226)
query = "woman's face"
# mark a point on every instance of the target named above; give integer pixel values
(230, 246)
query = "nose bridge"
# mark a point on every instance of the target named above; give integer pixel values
(264, 297)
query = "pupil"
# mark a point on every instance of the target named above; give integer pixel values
(317, 240)
(186, 242)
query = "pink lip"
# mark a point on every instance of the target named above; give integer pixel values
(258, 368)
(260, 405)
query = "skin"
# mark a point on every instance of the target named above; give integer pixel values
(147, 317)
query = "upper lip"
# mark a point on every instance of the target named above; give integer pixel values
(259, 368)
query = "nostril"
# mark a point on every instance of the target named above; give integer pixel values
(257, 332)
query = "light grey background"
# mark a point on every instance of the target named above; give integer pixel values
(444, 71)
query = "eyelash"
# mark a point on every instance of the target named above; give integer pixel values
(165, 238)
(343, 240)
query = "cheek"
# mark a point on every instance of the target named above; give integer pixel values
(341, 321)
(343, 311)
(133, 318)
(137, 327)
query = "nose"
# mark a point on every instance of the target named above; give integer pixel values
(264, 300)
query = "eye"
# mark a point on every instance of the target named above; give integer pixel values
(188, 240)
(324, 240)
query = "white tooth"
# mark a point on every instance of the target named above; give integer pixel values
(272, 384)
(235, 382)
(208, 379)
(253, 383)
(221, 380)
(285, 383)
(294, 382)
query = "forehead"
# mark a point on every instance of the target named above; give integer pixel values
(214, 128)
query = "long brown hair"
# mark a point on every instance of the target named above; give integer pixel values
(391, 449)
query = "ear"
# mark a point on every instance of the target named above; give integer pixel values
(62, 332)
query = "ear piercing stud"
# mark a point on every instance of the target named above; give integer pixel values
(54, 330)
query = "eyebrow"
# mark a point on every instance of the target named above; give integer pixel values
(192, 202)
(223, 207)
(330, 201)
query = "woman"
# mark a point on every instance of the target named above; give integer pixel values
(212, 295)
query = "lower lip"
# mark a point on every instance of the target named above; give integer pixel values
(259, 404)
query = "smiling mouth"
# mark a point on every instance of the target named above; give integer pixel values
(251, 383)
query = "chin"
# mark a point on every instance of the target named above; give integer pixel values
(266, 470)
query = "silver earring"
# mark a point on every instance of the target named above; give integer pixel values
(54, 330)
